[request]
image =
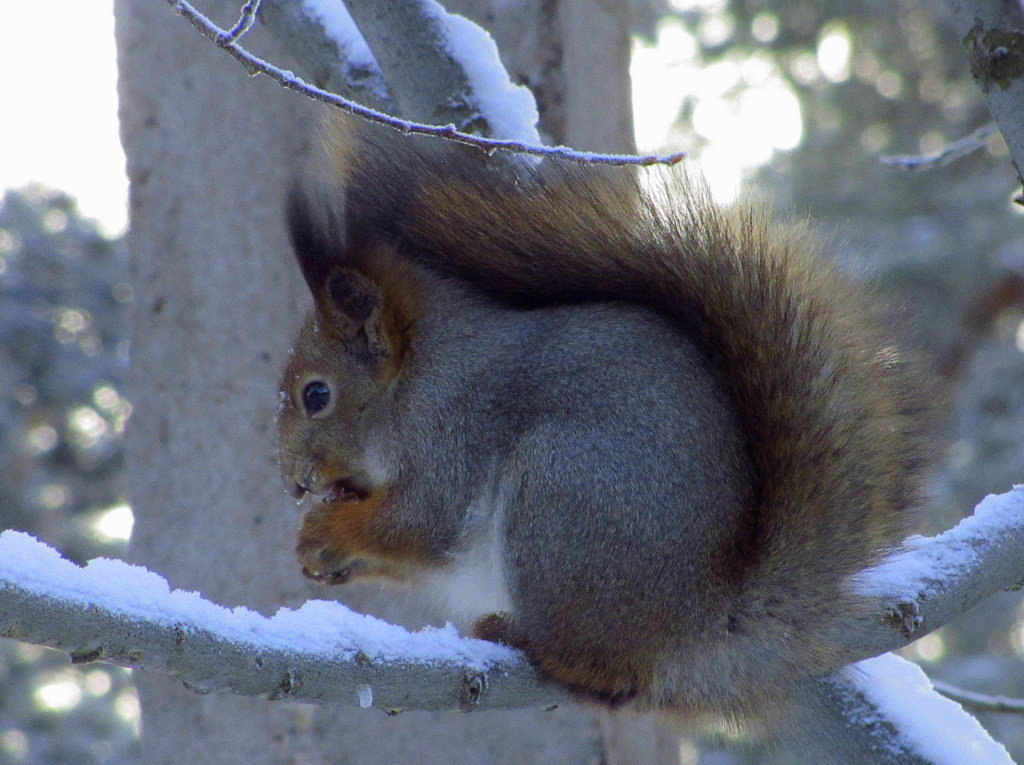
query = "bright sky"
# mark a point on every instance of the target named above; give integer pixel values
(729, 97)
(58, 104)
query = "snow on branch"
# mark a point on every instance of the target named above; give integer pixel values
(446, 69)
(121, 614)
(328, 47)
(113, 612)
(885, 711)
(255, 65)
(932, 580)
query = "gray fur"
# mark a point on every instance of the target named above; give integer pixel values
(660, 435)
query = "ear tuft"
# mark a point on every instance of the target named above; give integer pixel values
(316, 231)
(365, 293)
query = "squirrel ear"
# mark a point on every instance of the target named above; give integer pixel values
(352, 295)
(352, 304)
(360, 290)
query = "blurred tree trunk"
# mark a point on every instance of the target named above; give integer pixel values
(217, 298)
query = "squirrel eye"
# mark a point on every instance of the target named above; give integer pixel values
(315, 396)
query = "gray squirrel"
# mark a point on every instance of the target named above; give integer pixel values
(642, 438)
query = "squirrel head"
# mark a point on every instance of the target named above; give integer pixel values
(347, 358)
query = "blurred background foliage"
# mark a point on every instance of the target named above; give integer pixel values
(799, 99)
(63, 352)
(872, 79)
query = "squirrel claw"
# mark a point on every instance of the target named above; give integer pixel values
(337, 576)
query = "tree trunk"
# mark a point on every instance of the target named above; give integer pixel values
(217, 298)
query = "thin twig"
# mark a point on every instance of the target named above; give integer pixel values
(243, 25)
(947, 154)
(979, 702)
(255, 65)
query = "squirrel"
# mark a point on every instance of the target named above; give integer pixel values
(644, 438)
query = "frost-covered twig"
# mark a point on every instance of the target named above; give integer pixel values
(992, 31)
(120, 614)
(951, 152)
(979, 702)
(289, 80)
(245, 21)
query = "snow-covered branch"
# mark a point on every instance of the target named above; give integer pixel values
(110, 611)
(932, 580)
(328, 48)
(290, 80)
(446, 69)
(120, 614)
(886, 712)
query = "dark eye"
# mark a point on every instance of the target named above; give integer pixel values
(315, 396)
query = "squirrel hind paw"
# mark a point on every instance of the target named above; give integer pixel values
(498, 628)
(586, 683)
(608, 690)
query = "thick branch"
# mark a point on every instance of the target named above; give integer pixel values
(993, 33)
(323, 652)
(409, 44)
(885, 711)
(125, 615)
(256, 65)
(932, 580)
(444, 69)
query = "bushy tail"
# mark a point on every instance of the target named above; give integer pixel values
(834, 416)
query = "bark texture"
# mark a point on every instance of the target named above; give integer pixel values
(993, 38)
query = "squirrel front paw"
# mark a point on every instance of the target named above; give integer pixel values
(321, 561)
(341, 539)
(325, 546)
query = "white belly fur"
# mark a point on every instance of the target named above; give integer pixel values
(474, 583)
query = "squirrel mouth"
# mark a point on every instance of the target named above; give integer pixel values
(342, 490)
(345, 490)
